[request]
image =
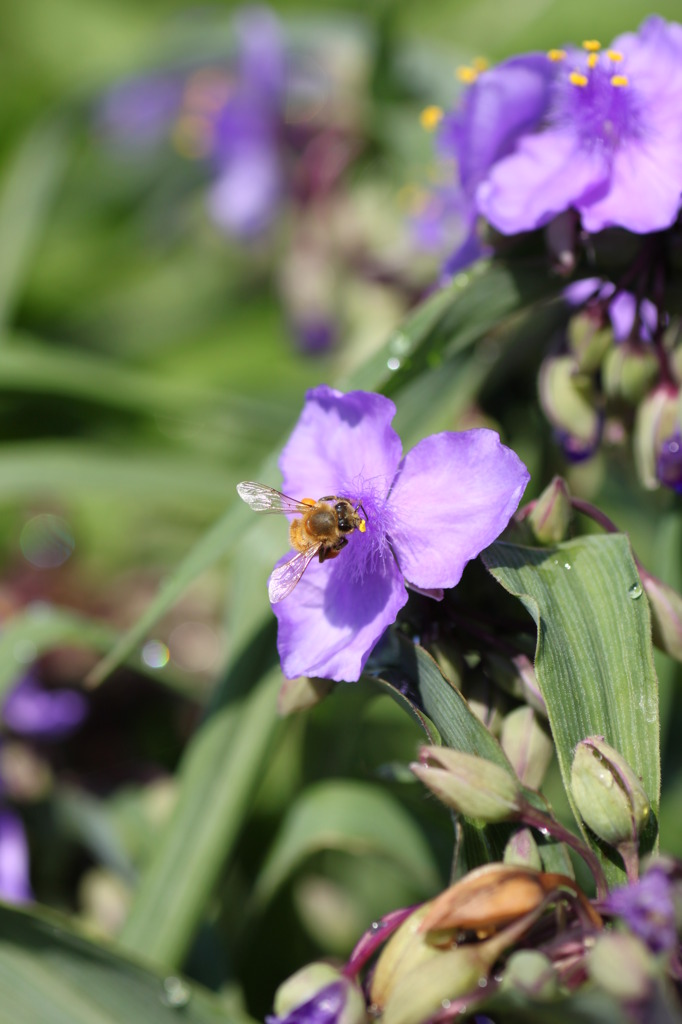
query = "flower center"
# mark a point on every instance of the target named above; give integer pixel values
(593, 95)
(367, 552)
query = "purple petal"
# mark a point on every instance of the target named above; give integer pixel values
(505, 101)
(644, 191)
(261, 50)
(340, 443)
(547, 174)
(331, 621)
(247, 193)
(454, 494)
(15, 886)
(31, 710)
(325, 1007)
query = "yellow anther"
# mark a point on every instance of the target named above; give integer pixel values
(592, 60)
(466, 74)
(619, 80)
(576, 78)
(430, 118)
(480, 64)
(614, 55)
(591, 45)
(556, 54)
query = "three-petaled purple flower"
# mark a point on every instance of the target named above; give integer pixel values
(427, 514)
(609, 144)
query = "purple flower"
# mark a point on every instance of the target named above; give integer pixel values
(246, 136)
(15, 886)
(31, 710)
(139, 112)
(609, 146)
(502, 103)
(325, 1007)
(647, 908)
(623, 310)
(427, 515)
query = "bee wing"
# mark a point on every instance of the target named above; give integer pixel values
(285, 577)
(266, 499)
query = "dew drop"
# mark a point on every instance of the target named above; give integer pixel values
(482, 981)
(155, 654)
(175, 993)
(393, 363)
(635, 591)
(446, 1004)
(567, 565)
(544, 831)
(376, 926)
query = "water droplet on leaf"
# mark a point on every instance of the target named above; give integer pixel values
(175, 993)
(635, 591)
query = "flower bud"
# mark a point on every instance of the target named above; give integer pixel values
(471, 785)
(630, 371)
(622, 966)
(551, 513)
(656, 422)
(609, 796)
(532, 973)
(588, 342)
(521, 849)
(569, 402)
(450, 974)
(408, 947)
(527, 745)
(319, 992)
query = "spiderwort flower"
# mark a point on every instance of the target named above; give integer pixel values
(610, 143)
(499, 104)
(647, 908)
(15, 886)
(427, 514)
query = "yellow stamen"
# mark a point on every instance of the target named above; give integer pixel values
(466, 74)
(592, 45)
(480, 63)
(619, 80)
(556, 54)
(614, 55)
(430, 118)
(577, 79)
(593, 60)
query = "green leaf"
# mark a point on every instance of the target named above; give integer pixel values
(27, 191)
(354, 817)
(594, 659)
(51, 974)
(218, 777)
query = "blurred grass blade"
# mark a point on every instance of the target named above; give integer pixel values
(51, 974)
(350, 816)
(594, 658)
(27, 189)
(218, 776)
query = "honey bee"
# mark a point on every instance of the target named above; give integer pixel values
(322, 529)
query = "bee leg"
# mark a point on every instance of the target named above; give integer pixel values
(331, 550)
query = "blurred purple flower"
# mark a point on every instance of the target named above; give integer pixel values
(246, 135)
(139, 112)
(501, 104)
(428, 514)
(622, 310)
(647, 908)
(15, 886)
(325, 1007)
(610, 145)
(31, 710)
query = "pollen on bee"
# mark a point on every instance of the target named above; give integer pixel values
(308, 501)
(362, 526)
